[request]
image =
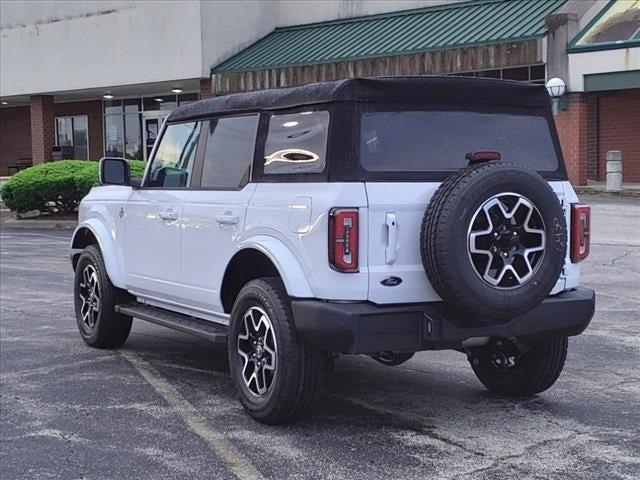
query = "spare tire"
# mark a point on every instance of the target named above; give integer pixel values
(493, 240)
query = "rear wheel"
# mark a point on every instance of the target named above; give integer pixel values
(275, 371)
(520, 370)
(95, 298)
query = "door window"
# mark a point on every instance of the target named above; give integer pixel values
(229, 152)
(172, 164)
(297, 143)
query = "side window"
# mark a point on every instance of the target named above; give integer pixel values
(172, 164)
(229, 152)
(297, 143)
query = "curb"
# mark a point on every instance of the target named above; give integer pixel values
(607, 193)
(27, 224)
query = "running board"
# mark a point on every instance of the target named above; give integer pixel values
(184, 323)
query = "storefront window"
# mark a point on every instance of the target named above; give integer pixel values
(72, 137)
(114, 135)
(125, 123)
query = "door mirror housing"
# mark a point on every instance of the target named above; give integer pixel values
(114, 171)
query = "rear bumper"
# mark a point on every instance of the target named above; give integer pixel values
(368, 328)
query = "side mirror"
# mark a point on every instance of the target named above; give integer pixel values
(114, 171)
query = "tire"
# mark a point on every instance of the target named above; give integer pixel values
(534, 372)
(480, 199)
(286, 391)
(101, 328)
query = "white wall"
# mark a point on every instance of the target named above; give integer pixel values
(50, 47)
(56, 46)
(605, 61)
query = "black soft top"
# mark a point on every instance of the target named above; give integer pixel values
(415, 89)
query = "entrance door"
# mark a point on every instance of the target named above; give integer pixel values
(152, 122)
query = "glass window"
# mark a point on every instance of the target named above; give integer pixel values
(72, 137)
(114, 136)
(64, 131)
(131, 105)
(160, 102)
(112, 106)
(297, 143)
(80, 140)
(229, 152)
(520, 73)
(439, 140)
(186, 98)
(133, 136)
(173, 162)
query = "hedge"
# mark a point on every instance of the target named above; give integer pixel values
(55, 187)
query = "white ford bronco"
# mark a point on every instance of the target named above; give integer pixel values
(377, 216)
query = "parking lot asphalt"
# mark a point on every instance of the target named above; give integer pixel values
(163, 406)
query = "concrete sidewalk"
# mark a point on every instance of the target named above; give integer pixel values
(599, 188)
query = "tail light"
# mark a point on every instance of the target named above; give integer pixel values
(580, 231)
(343, 239)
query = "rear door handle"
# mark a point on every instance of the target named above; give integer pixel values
(168, 215)
(390, 251)
(227, 218)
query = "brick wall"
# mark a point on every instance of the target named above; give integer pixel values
(93, 110)
(15, 137)
(42, 128)
(619, 129)
(572, 128)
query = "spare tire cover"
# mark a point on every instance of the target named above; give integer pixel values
(493, 240)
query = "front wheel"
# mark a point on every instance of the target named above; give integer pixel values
(95, 299)
(517, 369)
(276, 373)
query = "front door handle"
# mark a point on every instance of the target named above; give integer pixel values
(227, 218)
(168, 215)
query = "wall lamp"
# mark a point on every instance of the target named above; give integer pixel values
(556, 88)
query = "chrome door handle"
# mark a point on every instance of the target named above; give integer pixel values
(392, 242)
(227, 219)
(168, 215)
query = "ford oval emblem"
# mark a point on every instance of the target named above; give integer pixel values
(391, 281)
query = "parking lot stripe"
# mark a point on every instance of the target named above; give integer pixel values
(235, 461)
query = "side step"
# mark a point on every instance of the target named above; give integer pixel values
(176, 321)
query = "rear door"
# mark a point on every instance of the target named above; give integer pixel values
(214, 212)
(406, 153)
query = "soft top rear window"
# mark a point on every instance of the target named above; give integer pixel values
(429, 141)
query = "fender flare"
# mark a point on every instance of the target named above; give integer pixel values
(112, 260)
(288, 266)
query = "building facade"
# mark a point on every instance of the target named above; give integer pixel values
(88, 79)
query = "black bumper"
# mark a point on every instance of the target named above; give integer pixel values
(368, 328)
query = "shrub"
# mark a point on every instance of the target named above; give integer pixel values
(55, 187)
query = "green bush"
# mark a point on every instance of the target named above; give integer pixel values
(55, 187)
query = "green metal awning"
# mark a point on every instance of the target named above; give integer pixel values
(440, 27)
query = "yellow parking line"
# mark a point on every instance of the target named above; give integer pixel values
(231, 457)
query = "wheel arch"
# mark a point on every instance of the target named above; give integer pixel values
(93, 232)
(263, 257)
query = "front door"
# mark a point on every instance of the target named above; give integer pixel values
(154, 216)
(152, 123)
(214, 214)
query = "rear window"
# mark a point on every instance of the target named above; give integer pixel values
(419, 141)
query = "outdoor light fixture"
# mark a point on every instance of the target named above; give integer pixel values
(176, 90)
(4, 103)
(107, 96)
(159, 100)
(556, 88)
